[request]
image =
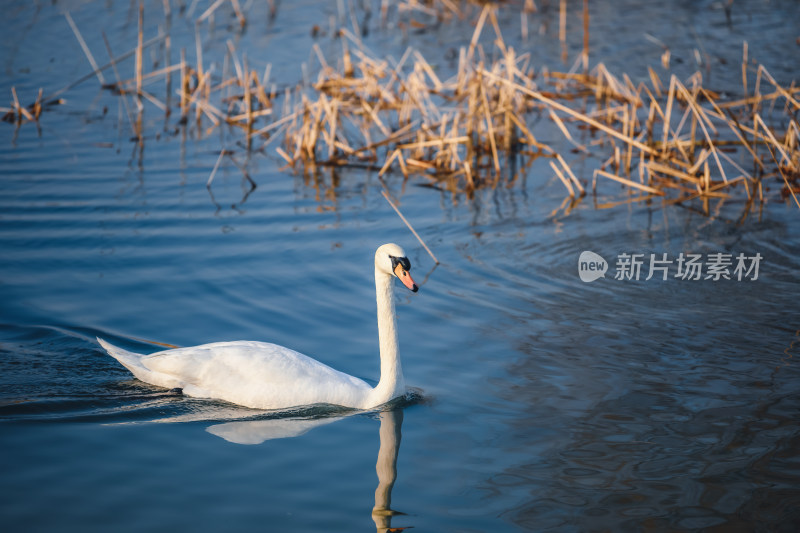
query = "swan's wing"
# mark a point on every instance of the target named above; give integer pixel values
(242, 361)
(256, 374)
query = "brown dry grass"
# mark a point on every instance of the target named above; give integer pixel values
(677, 140)
(669, 141)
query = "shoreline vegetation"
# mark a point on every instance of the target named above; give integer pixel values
(664, 141)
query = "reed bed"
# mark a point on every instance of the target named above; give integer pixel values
(670, 141)
(665, 140)
(20, 114)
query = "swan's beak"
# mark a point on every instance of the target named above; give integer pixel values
(403, 275)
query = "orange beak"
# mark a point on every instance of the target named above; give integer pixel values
(403, 275)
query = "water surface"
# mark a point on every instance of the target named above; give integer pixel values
(539, 402)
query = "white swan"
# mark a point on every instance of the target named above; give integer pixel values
(267, 376)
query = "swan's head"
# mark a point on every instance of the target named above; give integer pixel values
(392, 260)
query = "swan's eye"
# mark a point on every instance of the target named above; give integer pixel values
(400, 262)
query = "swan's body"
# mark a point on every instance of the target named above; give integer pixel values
(268, 376)
(253, 374)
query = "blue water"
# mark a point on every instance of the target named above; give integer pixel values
(538, 402)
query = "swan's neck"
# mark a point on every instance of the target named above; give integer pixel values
(391, 383)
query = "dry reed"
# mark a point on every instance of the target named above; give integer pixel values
(470, 131)
(675, 141)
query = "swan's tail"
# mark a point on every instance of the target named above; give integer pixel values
(131, 361)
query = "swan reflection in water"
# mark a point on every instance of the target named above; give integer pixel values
(258, 431)
(391, 422)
